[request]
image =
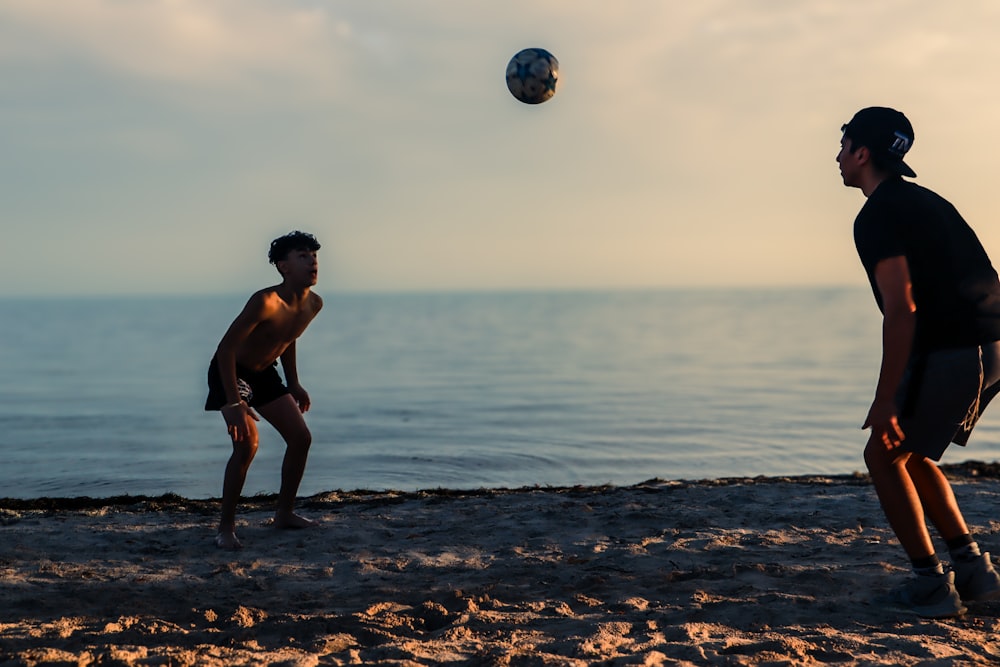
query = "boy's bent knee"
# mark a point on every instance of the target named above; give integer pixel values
(245, 450)
(301, 439)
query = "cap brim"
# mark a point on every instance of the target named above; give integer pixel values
(903, 169)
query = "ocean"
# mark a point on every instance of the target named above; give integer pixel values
(104, 396)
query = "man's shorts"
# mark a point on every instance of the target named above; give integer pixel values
(256, 387)
(942, 396)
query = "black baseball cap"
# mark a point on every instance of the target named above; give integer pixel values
(886, 133)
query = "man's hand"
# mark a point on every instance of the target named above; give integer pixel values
(884, 423)
(240, 420)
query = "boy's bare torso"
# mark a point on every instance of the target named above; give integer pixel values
(280, 323)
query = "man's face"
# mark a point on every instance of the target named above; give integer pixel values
(850, 163)
(301, 266)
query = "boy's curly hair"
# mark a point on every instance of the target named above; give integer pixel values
(281, 246)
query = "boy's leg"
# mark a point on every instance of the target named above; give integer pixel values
(232, 488)
(285, 416)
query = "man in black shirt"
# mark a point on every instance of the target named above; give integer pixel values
(940, 300)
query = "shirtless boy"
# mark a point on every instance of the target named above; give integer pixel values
(243, 378)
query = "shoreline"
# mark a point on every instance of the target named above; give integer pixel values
(954, 471)
(734, 571)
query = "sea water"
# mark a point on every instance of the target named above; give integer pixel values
(105, 396)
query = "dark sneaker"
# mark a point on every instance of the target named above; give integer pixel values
(976, 580)
(929, 596)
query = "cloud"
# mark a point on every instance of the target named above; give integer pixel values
(688, 142)
(231, 44)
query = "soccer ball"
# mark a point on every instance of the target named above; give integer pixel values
(532, 75)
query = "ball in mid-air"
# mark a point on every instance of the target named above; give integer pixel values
(532, 75)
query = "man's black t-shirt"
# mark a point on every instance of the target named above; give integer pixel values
(955, 287)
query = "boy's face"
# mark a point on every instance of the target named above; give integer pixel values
(301, 266)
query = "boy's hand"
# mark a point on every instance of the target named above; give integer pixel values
(301, 397)
(240, 421)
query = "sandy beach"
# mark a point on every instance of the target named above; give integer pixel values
(763, 571)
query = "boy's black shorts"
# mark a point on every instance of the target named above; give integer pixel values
(256, 387)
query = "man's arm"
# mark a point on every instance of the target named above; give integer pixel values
(892, 276)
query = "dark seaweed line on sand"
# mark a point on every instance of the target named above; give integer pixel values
(175, 503)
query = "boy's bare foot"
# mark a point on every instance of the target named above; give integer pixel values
(227, 540)
(293, 520)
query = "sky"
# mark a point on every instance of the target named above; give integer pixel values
(157, 146)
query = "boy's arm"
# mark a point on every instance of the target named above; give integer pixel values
(236, 412)
(288, 365)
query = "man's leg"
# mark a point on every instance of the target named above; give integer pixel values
(932, 593)
(899, 498)
(232, 487)
(937, 497)
(286, 417)
(975, 577)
